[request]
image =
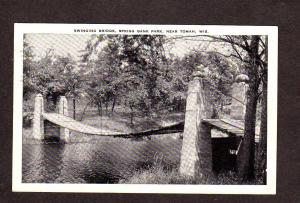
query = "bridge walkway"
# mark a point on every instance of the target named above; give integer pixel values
(73, 125)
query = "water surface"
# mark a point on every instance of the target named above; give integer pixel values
(98, 162)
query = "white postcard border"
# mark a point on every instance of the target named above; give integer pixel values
(270, 188)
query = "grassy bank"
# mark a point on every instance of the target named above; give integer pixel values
(160, 173)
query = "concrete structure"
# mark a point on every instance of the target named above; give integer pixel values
(239, 98)
(42, 127)
(196, 157)
(38, 122)
(204, 151)
(63, 110)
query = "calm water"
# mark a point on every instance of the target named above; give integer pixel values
(99, 162)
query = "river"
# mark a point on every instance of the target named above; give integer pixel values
(96, 162)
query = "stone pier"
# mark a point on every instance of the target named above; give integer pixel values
(63, 109)
(239, 99)
(196, 154)
(38, 123)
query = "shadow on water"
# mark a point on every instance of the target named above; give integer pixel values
(42, 163)
(100, 162)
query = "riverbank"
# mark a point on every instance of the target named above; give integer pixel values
(159, 175)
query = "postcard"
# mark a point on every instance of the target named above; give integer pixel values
(119, 108)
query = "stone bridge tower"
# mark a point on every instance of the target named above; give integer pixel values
(196, 155)
(239, 98)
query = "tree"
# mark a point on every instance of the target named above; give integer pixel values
(142, 57)
(254, 49)
(251, 53)
(28, 69)
(29, 66)
(263, 124)
(219, 76)
(52, 75)
(128, 68)
(69, 77)
(104, 79)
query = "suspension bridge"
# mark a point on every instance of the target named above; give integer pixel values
(199, 129)
(226, 125)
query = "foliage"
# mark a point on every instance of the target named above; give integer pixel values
(52, 75)
(220, 74)
(252, 52)
(28, 69)
(128, 68)
(134, 71)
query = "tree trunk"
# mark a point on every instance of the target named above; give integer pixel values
(113, 105)
(106, 106)
(246, 169)
(264, 118)
(84, 109)
(263, 134)
(99, 105)
(131, 115)
(74, 108)
(74, 102)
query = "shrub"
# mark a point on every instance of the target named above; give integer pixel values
(27, 119)
(160, 172)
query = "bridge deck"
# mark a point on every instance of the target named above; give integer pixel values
(77, 126)
(228, 125)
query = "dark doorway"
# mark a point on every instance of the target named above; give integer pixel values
(223, 154)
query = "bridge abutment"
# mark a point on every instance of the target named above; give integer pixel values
(239, 99)
(196, 154)
(63, 110)
(38, 122)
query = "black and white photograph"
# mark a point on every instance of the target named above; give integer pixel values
(145, 108)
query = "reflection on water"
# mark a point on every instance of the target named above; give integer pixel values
(100, 162)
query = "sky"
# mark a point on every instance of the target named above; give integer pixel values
(64, 44)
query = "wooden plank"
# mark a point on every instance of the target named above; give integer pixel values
(225, 125)
(74, 125)
(236, 123)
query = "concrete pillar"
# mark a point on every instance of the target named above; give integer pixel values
(63, 110)
(239, 100)
(196, 158)
(38, 124)
(204, 150)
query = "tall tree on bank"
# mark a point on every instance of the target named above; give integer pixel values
(28, 69)
(70, 77)
(220, 72)
(52, 76)
(256, 63)
(144, 55)
(130, 67)
(263, 126)
(57, 76)
(251, 51)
